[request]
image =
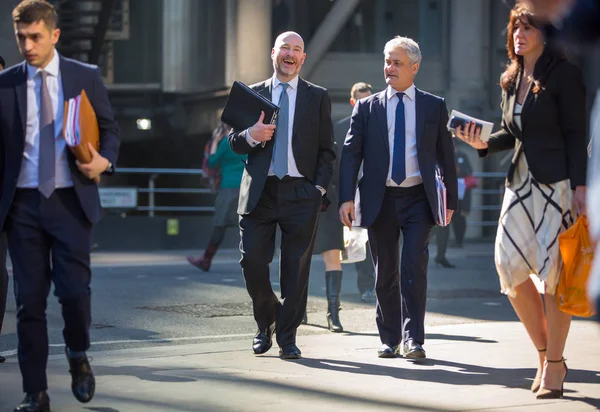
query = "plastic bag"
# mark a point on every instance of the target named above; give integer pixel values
(355, 241)
(577, 254)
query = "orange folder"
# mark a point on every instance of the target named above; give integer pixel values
(89, 130)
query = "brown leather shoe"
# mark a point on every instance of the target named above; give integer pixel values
(83, 383)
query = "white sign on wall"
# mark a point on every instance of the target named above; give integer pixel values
(118, 197)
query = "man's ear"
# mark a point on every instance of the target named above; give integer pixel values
(352, 102)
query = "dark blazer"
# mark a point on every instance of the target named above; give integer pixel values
(368, 140)
(554, 128)
(340, 129)
(312, 144)
(75, 76)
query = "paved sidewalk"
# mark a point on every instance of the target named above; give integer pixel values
(470, 367)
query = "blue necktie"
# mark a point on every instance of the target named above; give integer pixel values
(399, 157)
(280, 155)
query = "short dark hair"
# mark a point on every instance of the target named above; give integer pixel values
(32, 11)
(2, 62)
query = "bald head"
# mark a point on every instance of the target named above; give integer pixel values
(288, 55)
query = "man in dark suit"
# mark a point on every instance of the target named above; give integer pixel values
(365, 279)
(288, 170)
(400, 135)
(3, 271)
(49, 201)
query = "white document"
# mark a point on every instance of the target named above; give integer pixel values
(459, 119)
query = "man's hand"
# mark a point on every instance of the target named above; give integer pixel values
(449, 213)
(262, 132)
(579, 199)
(94, 168)
(347, 213)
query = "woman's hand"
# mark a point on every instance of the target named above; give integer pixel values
(579, 198)
(471, 136)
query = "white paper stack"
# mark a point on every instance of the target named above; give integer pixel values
(441, 196)
(72, 134)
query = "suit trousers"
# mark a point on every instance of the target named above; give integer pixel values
(401, 294)
(49, 241)
(293, 204)
(3, 278)
(365, 279)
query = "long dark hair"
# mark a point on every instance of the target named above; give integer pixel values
(550, 57)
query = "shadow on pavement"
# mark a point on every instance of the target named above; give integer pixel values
(274, 387)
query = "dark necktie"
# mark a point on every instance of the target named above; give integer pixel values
(47, 158)
(280, 157)
(399, 157)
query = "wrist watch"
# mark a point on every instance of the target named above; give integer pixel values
(110, 168)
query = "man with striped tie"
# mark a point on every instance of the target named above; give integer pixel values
(288, 171)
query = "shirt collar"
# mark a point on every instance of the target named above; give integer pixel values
(293, 83)
(410, 92)
(52, 68)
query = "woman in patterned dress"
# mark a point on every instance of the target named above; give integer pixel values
(544, 121)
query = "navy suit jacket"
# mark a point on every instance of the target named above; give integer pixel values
(76, 77)
(367, 140)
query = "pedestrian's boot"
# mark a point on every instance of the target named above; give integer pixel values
(204, 261)
(333, 285)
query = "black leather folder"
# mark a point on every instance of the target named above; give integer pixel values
(244, 105)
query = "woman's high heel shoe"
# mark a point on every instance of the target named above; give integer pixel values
(537, 381)
(545, 393)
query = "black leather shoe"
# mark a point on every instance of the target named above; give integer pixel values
(83, 383)
(35, 402)
(413, 350)
(290, 351)
(263, 341)
(387, 351)
(2, 359)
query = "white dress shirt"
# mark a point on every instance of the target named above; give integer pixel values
(28, 176)
(413, 173)
(292, 92)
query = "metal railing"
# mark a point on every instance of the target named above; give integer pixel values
(487, 192)
(152, 190)
(153, 173)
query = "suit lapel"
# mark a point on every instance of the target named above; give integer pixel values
(302, 97)
(420, 108)
(21, 92)
(266, 90)
(69, 87)
(380, 114)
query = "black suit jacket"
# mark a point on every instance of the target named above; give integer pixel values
(75, 76)
(554, 130)
(340, 129)
(312, 144)
(368, 140)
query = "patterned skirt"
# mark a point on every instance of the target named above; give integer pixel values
(532, 217)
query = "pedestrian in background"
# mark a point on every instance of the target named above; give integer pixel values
(544, 91)
(3, 271)
(231, 168)
(329, 239)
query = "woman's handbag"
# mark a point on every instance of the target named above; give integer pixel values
(578, 254)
